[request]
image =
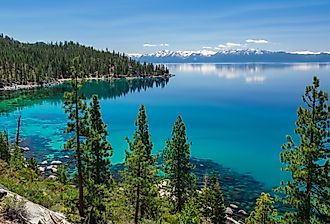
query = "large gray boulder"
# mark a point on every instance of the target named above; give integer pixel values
(36, 214)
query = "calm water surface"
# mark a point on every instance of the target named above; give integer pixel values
(236, 114)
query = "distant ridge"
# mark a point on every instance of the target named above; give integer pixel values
(231, 55)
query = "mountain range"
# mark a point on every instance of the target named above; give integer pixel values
(231, 55)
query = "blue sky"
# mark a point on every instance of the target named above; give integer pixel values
(141, 26)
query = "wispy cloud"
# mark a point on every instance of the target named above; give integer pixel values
(156, 45)
(233, 45)
(207, 47)
(149, 45)
(228, 45)
(257, 41)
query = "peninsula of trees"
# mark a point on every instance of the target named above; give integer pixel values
(39, 63)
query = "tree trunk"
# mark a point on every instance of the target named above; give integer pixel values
(310, 167)
(137, 205)
(18, 129)
(79, 165)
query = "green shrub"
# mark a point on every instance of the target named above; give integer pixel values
(14, 209)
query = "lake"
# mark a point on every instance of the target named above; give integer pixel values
(236, 114)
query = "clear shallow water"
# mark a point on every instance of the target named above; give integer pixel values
(236, 114)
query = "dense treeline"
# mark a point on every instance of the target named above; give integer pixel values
(23, 63)
(149, 193)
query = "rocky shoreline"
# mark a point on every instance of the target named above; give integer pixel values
(240, 190)
(54, 82)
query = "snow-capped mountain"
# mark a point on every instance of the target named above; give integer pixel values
(232, 55)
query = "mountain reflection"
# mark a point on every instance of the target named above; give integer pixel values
(252, 73)
(105, 89)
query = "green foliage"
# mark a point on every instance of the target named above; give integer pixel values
(307, 193)
(17, 159)
(46, 192)
(139, 176)
(76, 109)
(97, 155)
(13, 209)
(62, 174)
(96, 202)
(98, 149)
(190, 213)
(23, 63)
(4, 147)
(212, 202)
(177, 166)
(143, 131)
(32, 163)
(264, 212)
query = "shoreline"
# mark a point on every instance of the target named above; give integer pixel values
(15, 87)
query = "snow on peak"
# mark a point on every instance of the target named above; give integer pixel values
(305, 52)
(209, 53)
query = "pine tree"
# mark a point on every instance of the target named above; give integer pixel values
(97, 169)
(32, 163)
(190, 213)
(264, 212)
(76, 109)
(212, 202)
(17, 160)
(62, 174)
(177, 166)
(98, 150)
(143, 131)
(308, 161)
(140, 171)
(4, 147)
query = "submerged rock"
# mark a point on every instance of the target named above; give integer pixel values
(52, 177)
(242, 212)
(25, 149)
(229, 211)
(49, 167)
(56, 162)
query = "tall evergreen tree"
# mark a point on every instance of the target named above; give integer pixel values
(4, 147)
(177, 166)
(190, 213)
(76, 109)
(212, 202)
(264, 212)
(142, 131)
(98, 150)
(140, 171)
(97, 168)
(17, 160)
(308, 161)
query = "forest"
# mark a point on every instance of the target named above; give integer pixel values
(41, 63)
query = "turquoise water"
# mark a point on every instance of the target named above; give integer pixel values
(236, 114)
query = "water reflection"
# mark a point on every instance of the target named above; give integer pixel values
(251, 73)
(12, 101)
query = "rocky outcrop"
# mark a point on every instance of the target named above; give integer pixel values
(235, 215)
(35, 214)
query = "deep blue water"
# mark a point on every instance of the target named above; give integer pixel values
(236, 114)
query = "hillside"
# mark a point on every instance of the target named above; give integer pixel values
(24, 63)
